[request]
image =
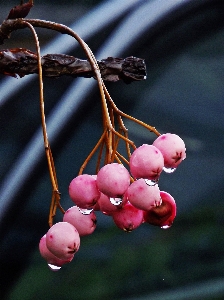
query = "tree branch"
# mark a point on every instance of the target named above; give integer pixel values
(23, 62)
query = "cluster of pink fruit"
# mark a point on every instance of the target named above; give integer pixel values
(129, 199)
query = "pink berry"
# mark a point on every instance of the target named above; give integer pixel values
(173, 149)
(146, 162)
(83, 191)
(128, 217)
(164, 214)
(85, 224)
(106, 206)
(113, 180)
(62, 239)
(50, 257)
(142, 195)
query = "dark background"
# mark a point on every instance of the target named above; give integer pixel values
(182, 44)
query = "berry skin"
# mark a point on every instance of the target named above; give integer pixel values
(146, 162)
(49, 256)
(105, 205)
(85, 224)
(128, 217)
(173, 149)
(164, 214)
(113, 180)
(142, 195)
(83, 191)
(62, 239)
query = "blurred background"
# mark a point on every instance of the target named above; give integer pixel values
(182, 42)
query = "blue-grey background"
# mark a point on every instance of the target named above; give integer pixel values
(182, 43)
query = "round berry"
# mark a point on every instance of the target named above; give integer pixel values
(83, 191)
(128, 217)
(85, 224)
(173, 149)
(113, 180)
(142, 195)
(164, 214)
(62, 239)
(50, 257)
(146, 162)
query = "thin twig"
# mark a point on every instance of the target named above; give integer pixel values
(55, 193)
(92, 152)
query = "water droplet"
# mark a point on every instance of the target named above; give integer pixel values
(85, 211)
(54, 268)
(169, 170)
(158, 203)
(116, 201)
(165, 226)
(151, 182)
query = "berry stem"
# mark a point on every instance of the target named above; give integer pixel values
(100, 142)
(55, 192)
(111, 116)
(121, 113)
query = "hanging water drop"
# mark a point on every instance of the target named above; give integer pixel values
(169, 170)
(165, 226)
(151, 182)
(158, 203)
(116, 201)
(54, 268)
(85, 211)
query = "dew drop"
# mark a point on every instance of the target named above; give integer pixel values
(169, 170)
(151, 182)
(116, 201)
(166, 226)
(159, 202)
(54, 268)
(85, 211)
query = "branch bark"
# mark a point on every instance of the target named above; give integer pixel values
(23, 62)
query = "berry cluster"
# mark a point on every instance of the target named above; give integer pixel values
(131, 197)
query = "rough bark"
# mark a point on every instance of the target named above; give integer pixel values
(23, 62)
